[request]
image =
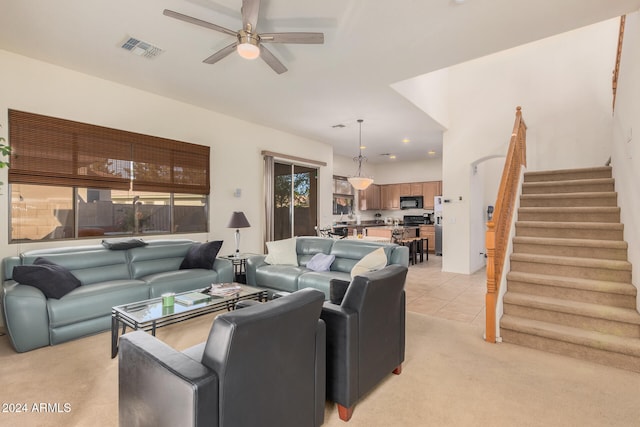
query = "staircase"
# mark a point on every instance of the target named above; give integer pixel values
(569, 290)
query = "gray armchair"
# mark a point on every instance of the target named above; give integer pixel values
(365, 335)
(261, 366)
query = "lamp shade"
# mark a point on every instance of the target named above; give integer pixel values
(238, 220)
(360, 182)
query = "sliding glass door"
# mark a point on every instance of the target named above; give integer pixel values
(295, 200)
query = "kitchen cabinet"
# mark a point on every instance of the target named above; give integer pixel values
(429, 232)
(411, 188)
(390, 196)
(429, 191)
(369, 199)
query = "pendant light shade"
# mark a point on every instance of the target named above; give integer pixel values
(360, 182)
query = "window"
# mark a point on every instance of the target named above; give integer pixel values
(342, 196)
(71, 180)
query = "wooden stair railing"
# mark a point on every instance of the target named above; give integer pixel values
(499, 227)
(616, 69)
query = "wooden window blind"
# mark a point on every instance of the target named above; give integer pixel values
(52, 151)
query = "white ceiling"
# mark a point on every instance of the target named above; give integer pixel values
(369, 45)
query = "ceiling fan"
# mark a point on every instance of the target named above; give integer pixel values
(249, 44)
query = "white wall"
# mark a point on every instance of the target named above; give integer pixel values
(626, 143)
(38, 87)
(392, 172)
(563, 84)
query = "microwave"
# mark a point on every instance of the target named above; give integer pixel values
(411, 202)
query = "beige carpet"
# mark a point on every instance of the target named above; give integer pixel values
(451, 377)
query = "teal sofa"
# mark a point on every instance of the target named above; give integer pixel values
(108, 278)
(347, 252)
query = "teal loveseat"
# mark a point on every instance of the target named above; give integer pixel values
(108, 278)
(347, 252)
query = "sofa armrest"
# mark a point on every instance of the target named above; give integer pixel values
(253, 263)
(7, 266)
(224, 268)
(342, 353)
(25, 316)
(151, 374)
(399, 255)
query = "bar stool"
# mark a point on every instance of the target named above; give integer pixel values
(411, 244)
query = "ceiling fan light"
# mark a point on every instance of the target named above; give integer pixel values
(248, 51)
(248, 45)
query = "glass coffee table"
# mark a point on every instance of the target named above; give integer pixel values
(148, 315)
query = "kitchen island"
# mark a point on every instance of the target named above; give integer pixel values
(393, 232)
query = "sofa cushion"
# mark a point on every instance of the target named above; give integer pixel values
(308, 246)
(282, 252)
(122, 244)
(321, 280)
(90, 264)
(94, 301)
(320, 262)
(370, 262)
(279, 277)
(202, 255)
(54, 280)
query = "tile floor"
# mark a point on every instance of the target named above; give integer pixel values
(451, 296)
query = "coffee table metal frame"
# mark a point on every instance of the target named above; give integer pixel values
(149, 315)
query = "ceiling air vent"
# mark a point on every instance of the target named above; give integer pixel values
(141, 48)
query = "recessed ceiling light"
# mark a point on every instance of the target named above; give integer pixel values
(432, 153)
(393, 156)
(406, 140)
(363, 147)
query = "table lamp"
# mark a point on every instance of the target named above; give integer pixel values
(238, 221)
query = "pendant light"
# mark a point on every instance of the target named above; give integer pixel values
(360, 182)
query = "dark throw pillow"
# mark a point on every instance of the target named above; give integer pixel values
(337, 290)
(52, 279)
(120, 244)
(201, 255)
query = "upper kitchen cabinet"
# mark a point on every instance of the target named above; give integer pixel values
(411, 189)
(369, 199)
(429, 191)
(390, 196)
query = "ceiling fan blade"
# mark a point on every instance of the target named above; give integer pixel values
(250, 9)
(301, 38)
(196, 21)
(271, 60)
(222, 53)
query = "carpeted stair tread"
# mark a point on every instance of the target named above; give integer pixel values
(582, 198)
(620, 288)
(579, 195)
(596, 311)
(593, 339)
(564, 174)
(568, 183)
(572, 261)
(571, 209)
(555, 241)
(576, 225)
